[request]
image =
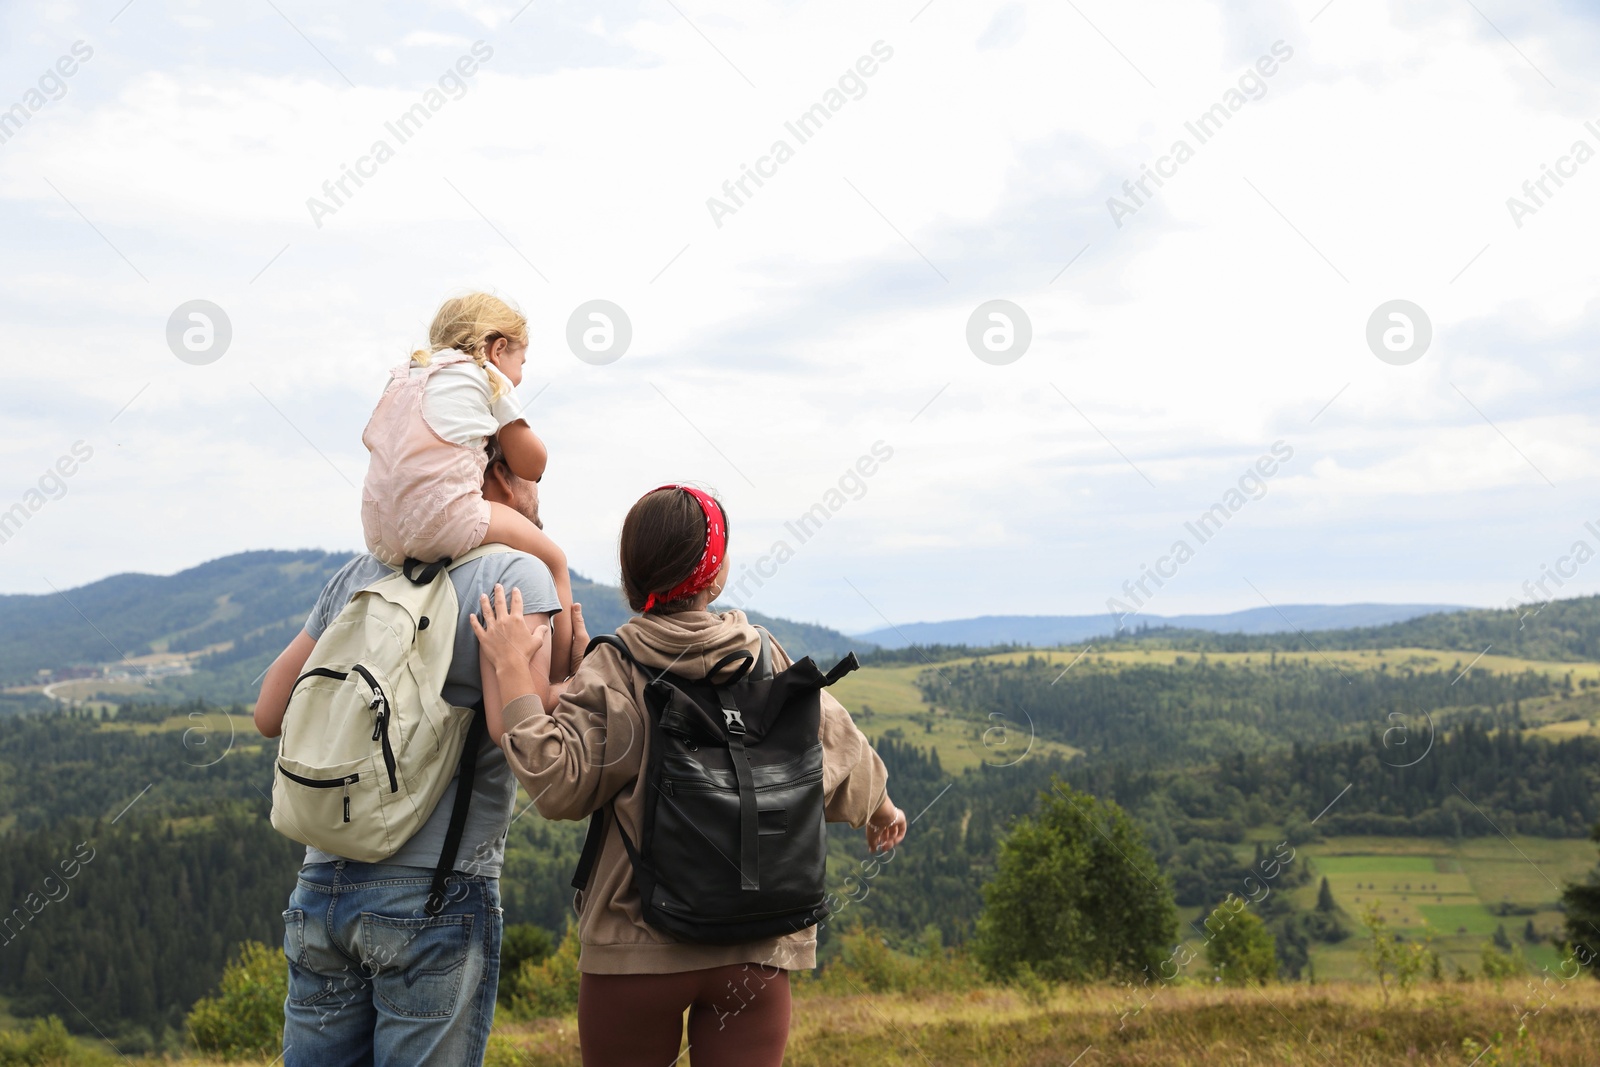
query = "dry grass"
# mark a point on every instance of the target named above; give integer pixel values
(1340, 1024)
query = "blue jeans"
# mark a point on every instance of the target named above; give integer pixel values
(375, 982)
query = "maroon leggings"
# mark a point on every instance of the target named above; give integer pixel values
(738, 1017)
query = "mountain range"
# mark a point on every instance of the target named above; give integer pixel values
(234, 614)
(1048, 631)
(244, 609)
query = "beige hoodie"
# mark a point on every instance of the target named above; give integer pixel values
(591, 749)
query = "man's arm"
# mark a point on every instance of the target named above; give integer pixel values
(279, 683)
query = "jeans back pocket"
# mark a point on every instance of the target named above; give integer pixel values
(417, 965)
(306, 987)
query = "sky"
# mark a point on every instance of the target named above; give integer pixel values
(1348, 324)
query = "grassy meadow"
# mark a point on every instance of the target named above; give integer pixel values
(1341, 1024)
(887, 698)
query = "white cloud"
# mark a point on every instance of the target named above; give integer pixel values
(1220, 317)
(430, 39)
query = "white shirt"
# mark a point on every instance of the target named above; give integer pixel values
(456, 404)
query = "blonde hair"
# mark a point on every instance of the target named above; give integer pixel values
(471, 324)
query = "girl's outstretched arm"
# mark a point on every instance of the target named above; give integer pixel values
(526, 455)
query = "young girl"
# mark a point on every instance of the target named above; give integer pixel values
(423, 497)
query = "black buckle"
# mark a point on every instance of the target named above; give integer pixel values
(732, 721)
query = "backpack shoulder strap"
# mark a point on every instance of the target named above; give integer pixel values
(615, 642)
(763, 668)
(597, 819)
(466, 777)
(591, 848)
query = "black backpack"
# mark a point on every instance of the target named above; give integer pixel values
(734, 843)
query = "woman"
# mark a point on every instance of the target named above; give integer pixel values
(589, 752)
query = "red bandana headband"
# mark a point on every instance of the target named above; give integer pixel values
(710, 560)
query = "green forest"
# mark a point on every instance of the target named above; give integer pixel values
(1198, 709)
(163, 893)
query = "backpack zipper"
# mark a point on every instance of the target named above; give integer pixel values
(380, 727)
(380, 732)
(325, 783)
(320, 672)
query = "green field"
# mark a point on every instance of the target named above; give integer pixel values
(887, 698)
(1337, 864)
(1445, 890)
(1417, 659)
(1562, 731)
(1472, 919)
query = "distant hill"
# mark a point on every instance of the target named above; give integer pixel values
(1560, 630)
(135, 614)
(250, 605)
(1044, 631)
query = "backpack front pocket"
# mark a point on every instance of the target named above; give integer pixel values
(335, 809)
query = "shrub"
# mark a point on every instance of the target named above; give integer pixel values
(1241, 950)
(503, 1052)
(1034, 990)
(520, 942)
(1076, 895)
(541, 989)
(1520, 1048)
(866, 964)
(1389, 958)
(245, 1019)
(1498, 965)
(44, 1044)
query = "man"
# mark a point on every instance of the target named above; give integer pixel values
(372, 979)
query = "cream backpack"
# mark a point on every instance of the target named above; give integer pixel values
(369, 743)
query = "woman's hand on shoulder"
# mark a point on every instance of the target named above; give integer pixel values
(504, 636)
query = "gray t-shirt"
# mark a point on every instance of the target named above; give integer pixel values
(494, 789)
